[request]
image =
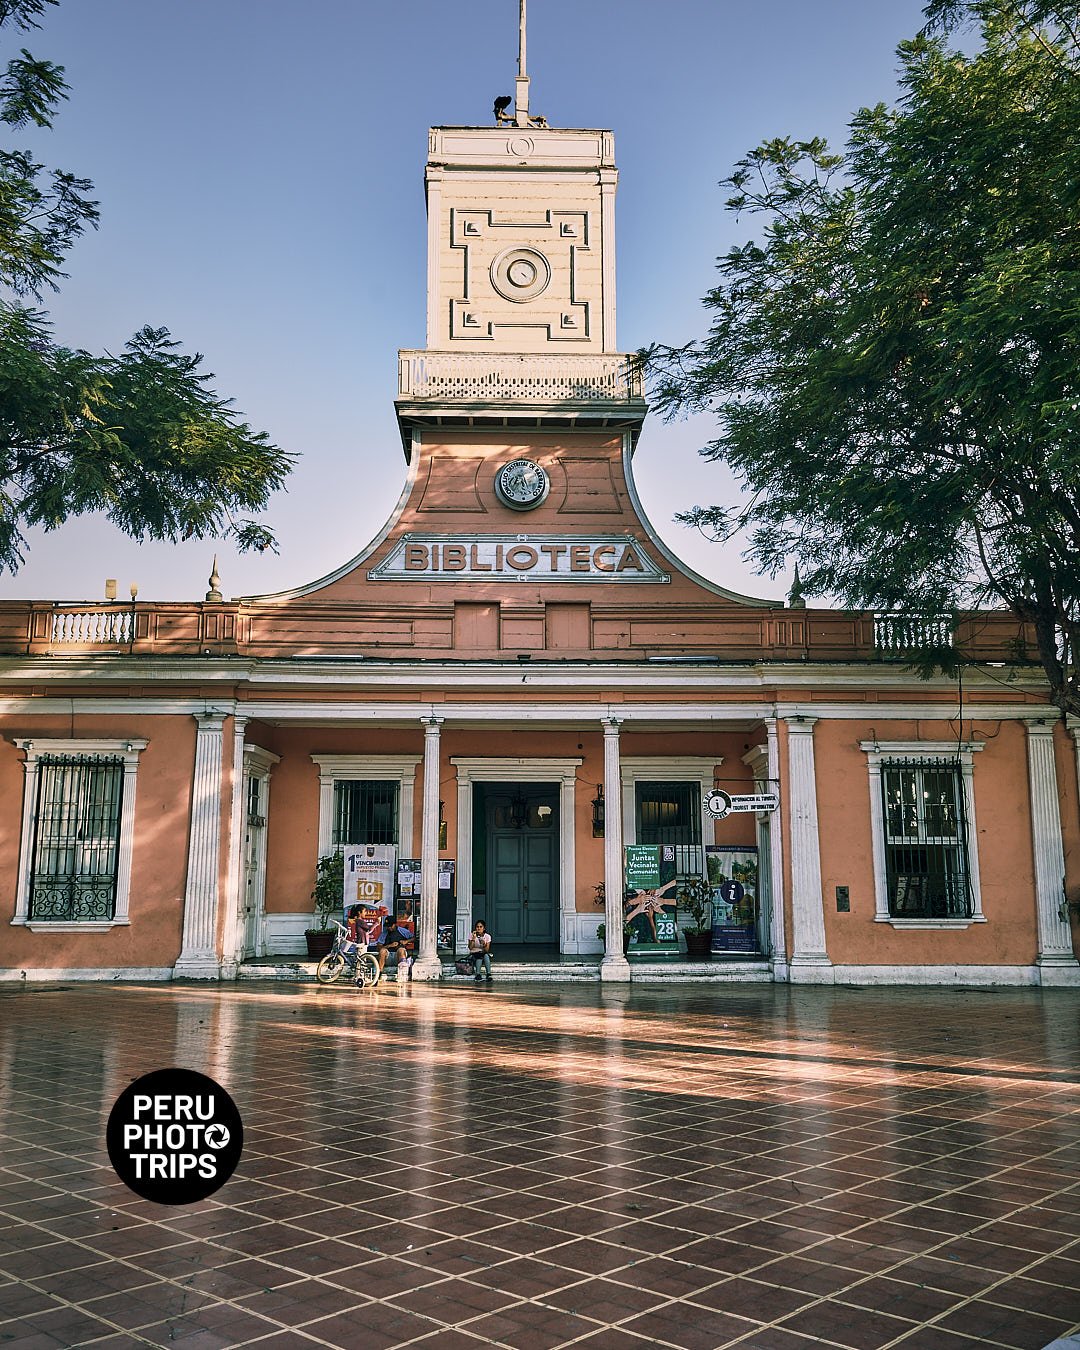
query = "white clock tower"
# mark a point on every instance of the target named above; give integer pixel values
(521, 276)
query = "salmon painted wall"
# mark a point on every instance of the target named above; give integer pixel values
(1002, 831)
(159, 862)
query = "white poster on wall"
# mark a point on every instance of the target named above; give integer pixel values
(369, 876)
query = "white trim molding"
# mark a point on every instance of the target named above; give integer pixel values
(255, 762)
(877, 752)
(1056, 959)
(126, 749)
(763, 762)
(95, 974)
(953, 976)
(229, 947)
(490, 769)
(359, 768)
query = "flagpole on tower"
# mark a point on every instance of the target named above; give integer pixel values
(521, 87)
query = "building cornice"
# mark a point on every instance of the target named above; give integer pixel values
(245, 675)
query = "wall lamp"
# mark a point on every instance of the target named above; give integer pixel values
(598, 812)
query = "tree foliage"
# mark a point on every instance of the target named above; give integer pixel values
(140, 436)
(894, 360)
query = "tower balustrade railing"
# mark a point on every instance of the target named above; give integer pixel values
(472, 377)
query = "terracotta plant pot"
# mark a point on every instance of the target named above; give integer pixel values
(698, 946)
(319, 942)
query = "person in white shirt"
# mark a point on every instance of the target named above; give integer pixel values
(480, 950)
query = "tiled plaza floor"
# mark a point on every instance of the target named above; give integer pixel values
(453, 1167)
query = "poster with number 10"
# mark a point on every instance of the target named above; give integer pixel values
(369, 883)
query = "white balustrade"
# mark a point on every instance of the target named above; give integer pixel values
(900, 635)
(92, 627)
(469, 377)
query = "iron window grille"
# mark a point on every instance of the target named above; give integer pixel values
(670, 813)
(365, 812)
(255, 817)
(926, 840)
(73, 875)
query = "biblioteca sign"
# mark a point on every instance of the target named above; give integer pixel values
(529, 557)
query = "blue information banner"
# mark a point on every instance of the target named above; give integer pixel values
(732, 871)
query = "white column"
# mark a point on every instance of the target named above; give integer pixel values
(463, 909)
(810, 962)
(568, 920)
(234, 898)
(427, 965)
(614, 965)
(198, 958)
(778, 934)
(26, 838)
(1056, 959)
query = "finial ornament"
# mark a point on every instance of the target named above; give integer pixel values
(795, 595)
(213, 595)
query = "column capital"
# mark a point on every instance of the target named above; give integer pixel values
(1042, 724)
(611, 724)
(431, 723)
(798, 724)
(211, 719)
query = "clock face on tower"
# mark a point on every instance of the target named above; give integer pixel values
(521, 484)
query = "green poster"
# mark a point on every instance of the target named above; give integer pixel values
(649, 901)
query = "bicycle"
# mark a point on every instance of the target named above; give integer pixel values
(345, 952)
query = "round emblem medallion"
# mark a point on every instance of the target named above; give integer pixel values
(521, 484)
(520, 274)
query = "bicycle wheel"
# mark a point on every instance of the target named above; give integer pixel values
(330, 967)
(367, 971)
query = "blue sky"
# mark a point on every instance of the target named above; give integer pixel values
(260, 171)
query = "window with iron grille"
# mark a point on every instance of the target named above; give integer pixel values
(365, 811)
(670, 813)
(76, 847)
(926, 846)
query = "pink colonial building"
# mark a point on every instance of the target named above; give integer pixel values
(518, 675)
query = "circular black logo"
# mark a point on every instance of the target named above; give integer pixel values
(174, 1136)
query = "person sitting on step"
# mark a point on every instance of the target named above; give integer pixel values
(480, 950)
(397, 941)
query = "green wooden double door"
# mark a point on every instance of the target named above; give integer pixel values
(522, 823)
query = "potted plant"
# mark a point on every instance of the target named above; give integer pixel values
(328, 894)
(601, 933)
(599, 899)
(696, 897)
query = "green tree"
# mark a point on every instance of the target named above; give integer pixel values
(140, 436)
(893, 361)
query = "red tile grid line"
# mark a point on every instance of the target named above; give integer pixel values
(762, 1167)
